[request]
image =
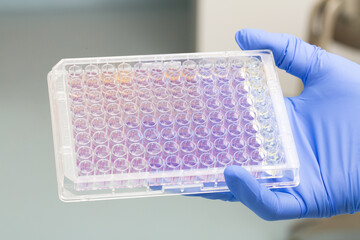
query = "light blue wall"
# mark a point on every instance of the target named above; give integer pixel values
(24, 5)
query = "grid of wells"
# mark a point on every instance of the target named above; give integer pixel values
(171, 116)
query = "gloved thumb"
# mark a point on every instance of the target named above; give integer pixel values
(290, 53)
(267, 204)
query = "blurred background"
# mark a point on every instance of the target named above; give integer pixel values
(35, 35)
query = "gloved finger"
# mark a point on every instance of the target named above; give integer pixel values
(265, 203)
(224, 196)
(291, 53)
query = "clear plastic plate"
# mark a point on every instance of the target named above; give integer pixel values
(157, 125)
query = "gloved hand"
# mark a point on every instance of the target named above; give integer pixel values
(325, 120)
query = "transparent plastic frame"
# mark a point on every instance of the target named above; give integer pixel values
(127, 99)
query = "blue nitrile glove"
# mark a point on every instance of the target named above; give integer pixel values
(325, 120)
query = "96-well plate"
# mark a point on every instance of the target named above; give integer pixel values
(168, 124)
